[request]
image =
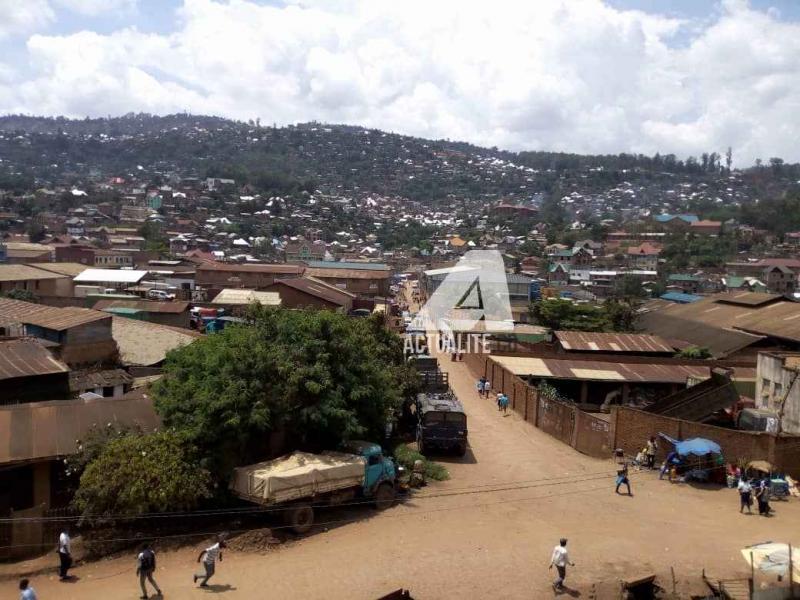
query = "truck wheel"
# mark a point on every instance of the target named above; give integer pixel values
(461, 449)
(384, 496)
(300, 518)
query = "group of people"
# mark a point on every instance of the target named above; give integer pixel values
(758, 488)
(483, 386)
(145, 566)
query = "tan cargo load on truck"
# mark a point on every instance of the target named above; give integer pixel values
(298, 475)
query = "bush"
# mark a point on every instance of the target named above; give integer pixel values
(136, 474)
(695, 352)
(406, 457)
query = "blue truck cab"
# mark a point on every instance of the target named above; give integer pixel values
(381, 472)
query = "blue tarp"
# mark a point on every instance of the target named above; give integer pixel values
(698, 447)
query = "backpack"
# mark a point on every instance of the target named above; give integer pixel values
(148, 560)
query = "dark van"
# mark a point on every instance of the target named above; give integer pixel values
(442, 423)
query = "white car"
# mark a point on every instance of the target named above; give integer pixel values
(159, 295)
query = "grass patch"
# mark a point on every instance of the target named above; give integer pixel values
(406, 457)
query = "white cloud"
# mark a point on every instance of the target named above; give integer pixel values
(573, 75)
(23, 16)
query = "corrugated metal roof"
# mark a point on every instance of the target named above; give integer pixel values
(145, 344)
(110, 276)
(614, 342)
(70, 269)
(59, 319)
(82, 380)
(27, 358)
(41, 430)
(347, 273)
(318, 289)
(143, 305)
(25, 273)
(329, 264)
(237, 296)
(590, 370)
(749, 298)
(251, 268)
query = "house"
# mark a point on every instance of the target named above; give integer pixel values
(558, 274)
(705, 227)
(778, 388)
(514, 211)
(675, 223)
(29, 372)
(143, 344)
(110, 278)
(233, 298)
(75, 253)
(780, 279)
(310, 292)
(37, 281)
(577, 342)
(110, 383)
(734, 283)
(364, 279)
(216, 276)
(25, 252)
(117, 259)
(644, 256)
(688, 284)
(174, 313)
(303, 250)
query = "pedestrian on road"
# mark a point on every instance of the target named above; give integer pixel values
(622, 478)
(560, 560)
(64, 554)
(145, 567)
(762, 496)
(666, 468)
(651, 448)
(481, 386)
(745, 496)
(504, 404)
(26, 592)
(211, 555)
(499, 400)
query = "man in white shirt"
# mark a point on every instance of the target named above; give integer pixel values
(64, 554)
(745, 495)
(211, 555)
(560, 560)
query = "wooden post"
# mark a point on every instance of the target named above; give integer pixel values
(752, 573)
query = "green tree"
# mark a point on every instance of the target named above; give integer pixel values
(317, 376)
(695, 352)
(560, 314)
(135, 474)
(36, 232)
(629, 287)
(621, 315)
(24, 295)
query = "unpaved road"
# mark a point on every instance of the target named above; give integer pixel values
(477, 545)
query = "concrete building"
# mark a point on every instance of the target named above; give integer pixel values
(174, 313)
(309, 292)
(778, 388)
(216, 276)
(28, 372)
(37, 281)
(364, 279)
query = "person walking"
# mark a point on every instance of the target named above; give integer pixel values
(26, 592)
(666, 468)
(745, 496)
(622, 478)
(212, 553)
(650, 451)
(560, 560)
(762, 497)
(145, 567)
(504, 404)
(481, 386)
(64, 554)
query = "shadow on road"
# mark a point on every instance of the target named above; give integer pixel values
(219, 588)
(450, 458)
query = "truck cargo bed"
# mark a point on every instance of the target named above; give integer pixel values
(298, 475)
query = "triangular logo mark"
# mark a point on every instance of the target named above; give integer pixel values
(472, 299)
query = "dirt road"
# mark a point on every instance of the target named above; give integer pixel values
(473, 543)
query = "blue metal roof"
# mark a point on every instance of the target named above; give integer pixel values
(667, 218)
(680, 297)
(330, 264)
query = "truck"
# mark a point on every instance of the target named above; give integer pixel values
(433, 378)
(297, 483)
(441, 423)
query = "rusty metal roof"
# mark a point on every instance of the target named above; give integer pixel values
(590, 370)
(40, 430)
(82, 380)
(327, 273)
(27, 358)
(748, 298)
(60, 319)
(613, 342)
(318, 289)
(26, 273)
(251, 268)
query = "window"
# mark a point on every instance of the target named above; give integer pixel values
(434, 418)
(765, 384)
(108, 391)
(375, 459)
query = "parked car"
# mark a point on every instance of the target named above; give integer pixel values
(159, 295)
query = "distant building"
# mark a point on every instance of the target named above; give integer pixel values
(675, 223)
(778, 388)
(310, 292)
(364, 279)
(303, 250)
(706, 227)
(644, 256)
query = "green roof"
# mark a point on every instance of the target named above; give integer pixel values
(682, 277)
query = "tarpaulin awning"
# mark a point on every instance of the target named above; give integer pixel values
(695, 446)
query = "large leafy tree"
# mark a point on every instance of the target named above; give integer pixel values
(135, 474)
(318, 377)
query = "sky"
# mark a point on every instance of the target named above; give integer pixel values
(588, 76)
